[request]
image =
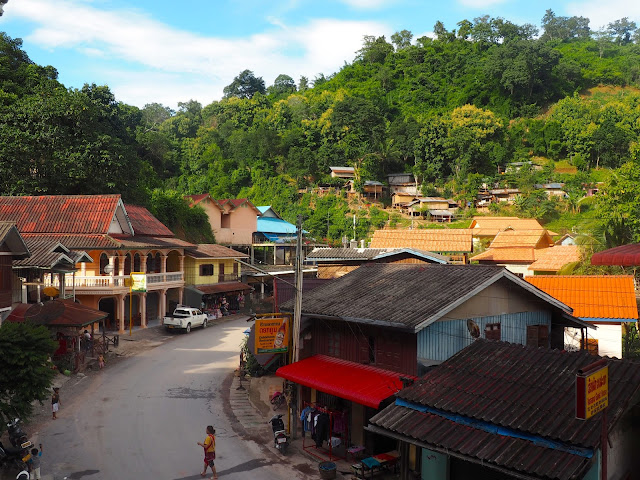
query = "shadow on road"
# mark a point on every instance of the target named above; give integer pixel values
(243, 467)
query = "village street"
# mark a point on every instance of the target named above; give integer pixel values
(142, 416)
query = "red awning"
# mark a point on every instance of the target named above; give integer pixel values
(624, 256)
(359, 383)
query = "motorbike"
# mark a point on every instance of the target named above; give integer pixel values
(280, 437)
(278, 399)
(16, 435)
(14, 457)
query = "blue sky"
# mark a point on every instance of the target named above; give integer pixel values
(169, 52)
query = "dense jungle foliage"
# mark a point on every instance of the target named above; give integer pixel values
(454, 110)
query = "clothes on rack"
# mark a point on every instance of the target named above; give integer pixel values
(322, 429)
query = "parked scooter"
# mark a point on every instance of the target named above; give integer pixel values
(280, 437)
(16, 435)
(14, 457)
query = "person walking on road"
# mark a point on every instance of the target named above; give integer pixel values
(55, 402)
(34, 463)
(209, 446)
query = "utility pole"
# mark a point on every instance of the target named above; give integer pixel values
(297, 312)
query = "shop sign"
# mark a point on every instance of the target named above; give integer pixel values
(272, 335)
(592, 393)
(138, 282)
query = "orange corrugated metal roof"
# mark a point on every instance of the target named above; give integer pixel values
(507, 254)
(490, 226)
(434, 240)
(554, 258)
(592, 296)
(522, 238)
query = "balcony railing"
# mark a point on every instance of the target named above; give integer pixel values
(106, 281)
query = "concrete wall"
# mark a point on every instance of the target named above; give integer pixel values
(609, 336)
(243, 223)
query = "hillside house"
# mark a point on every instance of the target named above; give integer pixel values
(403, 183)
(233, 220)
(486, 228)
(342, 172)
(372, 190)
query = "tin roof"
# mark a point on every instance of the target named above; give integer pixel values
(213, 250)
(363, 384)
(47, 253)
(225, 287)
(364, 254)
(77, 241)
(553, 259)
(275, 225)
(592, 296)
(445, 240)
(407, 296)
(145, 224)
(74, 214)
(13, 241)
(624, 255)
(490, 226)
(492, 400)
(152, 242)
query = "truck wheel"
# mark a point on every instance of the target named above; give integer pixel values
(204, 324)
(188, 329)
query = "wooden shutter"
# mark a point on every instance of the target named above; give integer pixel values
(537, 336)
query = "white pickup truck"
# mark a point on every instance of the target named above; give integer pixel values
(185, 318)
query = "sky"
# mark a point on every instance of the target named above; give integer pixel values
(169, 52)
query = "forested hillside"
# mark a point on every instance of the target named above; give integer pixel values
(453, 110)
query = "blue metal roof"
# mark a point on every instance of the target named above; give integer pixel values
(275, 225)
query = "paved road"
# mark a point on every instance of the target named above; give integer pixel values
(141, 417)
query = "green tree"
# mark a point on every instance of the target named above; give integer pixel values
(282, 85)
(245, 85)
(26, 372)
(402, 39)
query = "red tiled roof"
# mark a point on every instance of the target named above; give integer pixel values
(145, 224)
(196, 199)
(592, 296)
(363, 384)
(624, 255)
(77, 242)
(529, 392)
(83, 214)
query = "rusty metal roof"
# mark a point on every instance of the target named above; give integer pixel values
(406, 296)
(213, 250)
(522, 390)
(47, 253)
(57, 313)
(77, 241)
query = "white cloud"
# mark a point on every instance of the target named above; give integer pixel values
(178, 65)
(601, 13)
(480, 3)
(367, 4)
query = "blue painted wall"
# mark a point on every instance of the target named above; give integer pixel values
(445, 338)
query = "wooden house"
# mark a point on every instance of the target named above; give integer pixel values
(342, 172)
(399, 320)
(403, 183)
(13, 247)
(372, 190)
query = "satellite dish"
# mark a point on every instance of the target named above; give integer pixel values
(473, 328)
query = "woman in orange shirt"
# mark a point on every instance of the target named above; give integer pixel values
(209, 446)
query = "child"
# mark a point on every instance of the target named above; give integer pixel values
(209, 446)
(34, 463)
(55, 401)
(101, 361)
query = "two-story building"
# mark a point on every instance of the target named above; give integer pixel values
(119, 240)
(233, 220)
(212, 279)
(398, 321)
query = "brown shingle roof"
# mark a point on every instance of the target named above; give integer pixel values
(448, 240)
(490, 226)
(553, 259)
(507, 254)
(77, 214)
(522, 238)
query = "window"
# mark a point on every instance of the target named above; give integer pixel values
(537, 336)
(492, 331)
(235, 268)
(206, 270)
(127, 264)
(225, 221)
(221, 273)
(136, 262)
(104, 261)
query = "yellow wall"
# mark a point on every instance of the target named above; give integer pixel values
(192, 270)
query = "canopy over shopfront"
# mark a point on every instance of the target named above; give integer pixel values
(362, 384)
(221, 288)
(624, 256)
(57, 313)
